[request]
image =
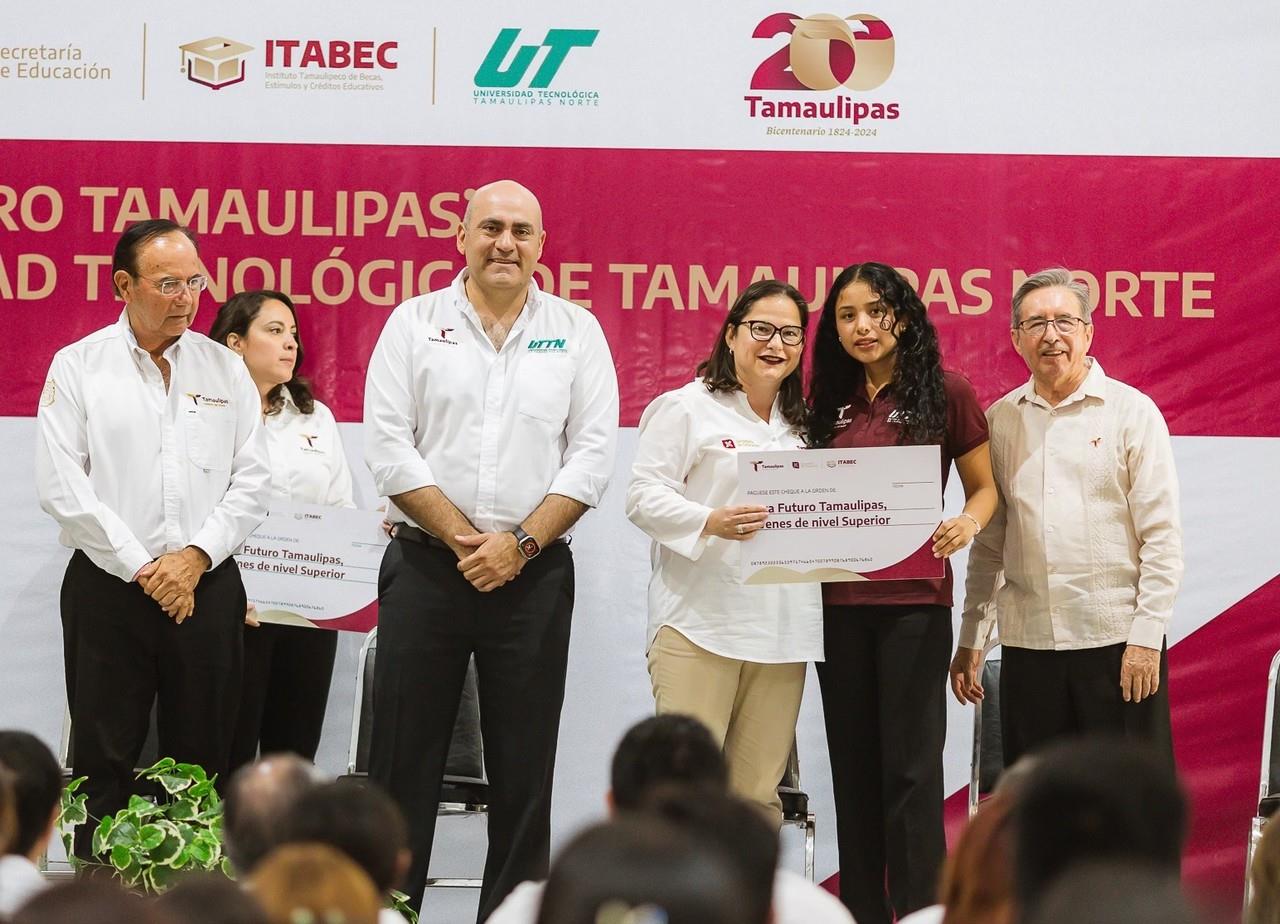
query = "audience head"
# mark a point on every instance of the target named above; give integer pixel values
(36, 781)
(727, 826)
(314, 883)
(661, 750)
(1264, 878)
(256, 800)
(95, 899)
(1114, 893)
(210, 899)
(977, 878)
(1096, 799)
(8, 813)
(642, 870)
(358, 819)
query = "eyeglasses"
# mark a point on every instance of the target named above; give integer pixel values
(1036, 327)
(171, 287)
(791, 335)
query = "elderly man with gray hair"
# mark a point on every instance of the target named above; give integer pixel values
(1081, 563)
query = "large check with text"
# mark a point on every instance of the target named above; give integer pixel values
(842, 514)
(308, 565)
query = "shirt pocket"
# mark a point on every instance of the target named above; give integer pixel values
(545, 391)
(210, 434)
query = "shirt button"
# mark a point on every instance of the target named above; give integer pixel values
(1053, 490)
(1055, 611)
(1048, 529)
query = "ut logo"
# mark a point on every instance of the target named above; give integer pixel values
(547, 344)
(825, 52)
(559, 42)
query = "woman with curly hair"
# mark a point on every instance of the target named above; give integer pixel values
(878, 381)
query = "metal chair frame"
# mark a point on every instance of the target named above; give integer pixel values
(1259, 821)
(804, 818)
(975, 760)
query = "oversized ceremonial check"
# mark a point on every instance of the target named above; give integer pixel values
(315, 566)
(842, 514)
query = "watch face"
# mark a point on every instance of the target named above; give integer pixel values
(529, 547)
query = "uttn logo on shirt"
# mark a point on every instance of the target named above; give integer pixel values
(549, 345)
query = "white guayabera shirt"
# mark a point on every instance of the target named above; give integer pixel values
(1087, 536)
(131, 471)
(495, 430)
(687, 465)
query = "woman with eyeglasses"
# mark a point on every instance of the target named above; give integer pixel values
(287, 669)
(878, 380)
(729, 654)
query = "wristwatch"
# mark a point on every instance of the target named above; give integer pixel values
(527, 545)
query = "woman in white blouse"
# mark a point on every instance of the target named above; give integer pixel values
(287, 669)
(729, 654)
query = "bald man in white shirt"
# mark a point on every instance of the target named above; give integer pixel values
(491, 415)
(1083, 559)
(149, 457)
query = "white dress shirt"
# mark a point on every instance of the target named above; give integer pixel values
(686, 466)
(19, 882)
(308, 464)
(796, 900)
(1087, 536)
(131, 471)
(495, 430)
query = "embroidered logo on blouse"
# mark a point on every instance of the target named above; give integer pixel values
(310, 440)
(898, 416)
(728, 444)
(842, 416)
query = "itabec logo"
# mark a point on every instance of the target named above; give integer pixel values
(215, 62)
(823, 54)
(516, 73)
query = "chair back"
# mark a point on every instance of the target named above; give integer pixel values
(1270, 778)
(465, 762)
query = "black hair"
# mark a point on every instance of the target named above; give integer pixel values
(917, 376)
(717, 370)
(137, 236)
(729, 825)
(614, 870)
(1096, 799)
(97, 898)
(664, 749)
(235, 317)
(36, 781)
(210, 898)
(1114, 893)
(356, 818)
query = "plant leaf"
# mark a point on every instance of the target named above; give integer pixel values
(193, 772)
(101, 834)
(150, 837)
(172, 783)
(164, 763)
(121, 857)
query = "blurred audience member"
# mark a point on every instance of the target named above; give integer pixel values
(1093, 800)
(640, 870)
(361, 821)
(210, 899)
(256, 801)
(313, 884)
(35, 789)
(1264, 878)
(90, 901)
(1114, 892)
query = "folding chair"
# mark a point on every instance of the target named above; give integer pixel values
(1269, 782)
(466, 789)
(795, 808)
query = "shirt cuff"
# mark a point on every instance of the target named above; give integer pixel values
(1147, 632)
(580, 486)
(206, 541)
(133, 558)
(403, 477)
(692, 544)
(973, 633)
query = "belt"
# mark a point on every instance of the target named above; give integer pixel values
(407, 532)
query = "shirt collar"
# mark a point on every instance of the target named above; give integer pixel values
(131, 339)
(532, 301)
(1093, 386)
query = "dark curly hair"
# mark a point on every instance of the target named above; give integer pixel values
(917, 376)
(717, 370)
(235, 317)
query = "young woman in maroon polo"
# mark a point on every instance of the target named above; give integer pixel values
(878, 381)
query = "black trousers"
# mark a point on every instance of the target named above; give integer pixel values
(430, 622)
(122, 654)
(884, 702)
(287, 672)
(1047, 695)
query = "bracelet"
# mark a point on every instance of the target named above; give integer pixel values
(972, 519)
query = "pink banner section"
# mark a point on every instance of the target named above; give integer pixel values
(657, 243)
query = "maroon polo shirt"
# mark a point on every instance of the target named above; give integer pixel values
(874, 423)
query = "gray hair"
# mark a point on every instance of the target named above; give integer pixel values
(1049, 278)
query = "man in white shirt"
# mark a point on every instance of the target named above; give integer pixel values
(655, 755)
(1082, 561)
(491, 414)
(35, 780)
(149, 456)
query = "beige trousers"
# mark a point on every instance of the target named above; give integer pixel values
(750, 708)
